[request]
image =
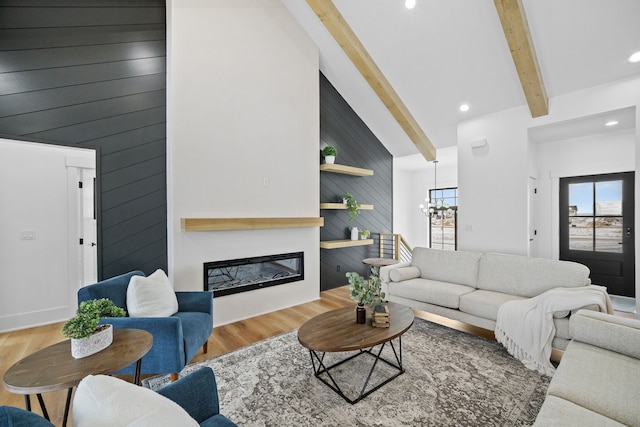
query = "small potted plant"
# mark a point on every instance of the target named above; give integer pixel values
(87, 337)
(352, 206)
(365, 292)
(364, 234)
(329, 152)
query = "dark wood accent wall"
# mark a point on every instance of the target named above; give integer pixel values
(92, 74)
(357, 146)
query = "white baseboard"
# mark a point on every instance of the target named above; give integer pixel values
(32, 319)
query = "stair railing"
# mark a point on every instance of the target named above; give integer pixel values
(394, 246)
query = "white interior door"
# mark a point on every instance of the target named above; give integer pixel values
(88, 224)
(532, 225)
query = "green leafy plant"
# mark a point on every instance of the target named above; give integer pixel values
(364, 234)
(366, 291)
(86, 320)
(353, 207)
(329, 151)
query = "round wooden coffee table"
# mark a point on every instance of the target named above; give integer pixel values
(53, 368)
(337, 331)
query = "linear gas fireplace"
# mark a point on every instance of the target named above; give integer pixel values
(246, 274)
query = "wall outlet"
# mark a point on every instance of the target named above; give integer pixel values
(27, 235)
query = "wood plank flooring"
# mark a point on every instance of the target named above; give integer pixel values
(18, 344)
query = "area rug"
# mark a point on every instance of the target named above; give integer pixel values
(451, 379)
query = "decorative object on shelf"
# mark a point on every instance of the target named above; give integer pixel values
(354, 233)
(364, 234)
(329, 152)
(352, 206)
(87, 337)
(365, 291)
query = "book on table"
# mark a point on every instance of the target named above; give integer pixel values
(380, 318)
(376, 324)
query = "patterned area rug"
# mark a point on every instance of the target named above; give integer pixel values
(451, 379)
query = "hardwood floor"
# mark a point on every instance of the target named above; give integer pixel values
(18, 344)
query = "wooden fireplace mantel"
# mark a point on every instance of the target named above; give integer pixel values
(226, 224)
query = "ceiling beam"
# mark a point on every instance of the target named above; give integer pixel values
(346, 38)
(516, 30)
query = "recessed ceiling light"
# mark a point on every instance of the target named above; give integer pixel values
(635, 57)
(611, 123)
(464, 107)
(410, 4)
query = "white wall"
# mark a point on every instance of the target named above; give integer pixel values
(493, 182)
(39, 277)
(411, 187)
(574, 157)
(243, 85)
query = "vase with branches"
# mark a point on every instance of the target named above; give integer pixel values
(365, 291)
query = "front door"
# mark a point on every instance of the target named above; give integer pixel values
(596, 228)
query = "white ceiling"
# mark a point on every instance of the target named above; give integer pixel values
(446, 52)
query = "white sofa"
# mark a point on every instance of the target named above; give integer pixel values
(598, 380)
(471, 286)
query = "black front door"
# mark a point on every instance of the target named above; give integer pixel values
(596, 228)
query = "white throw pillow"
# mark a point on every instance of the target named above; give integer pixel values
(151, 296)
(404, 273)
(104, 401)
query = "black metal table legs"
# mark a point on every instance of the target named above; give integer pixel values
(320, 370)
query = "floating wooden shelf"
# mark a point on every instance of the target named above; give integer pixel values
(343, 206)
(347, 170)
(336, 244)
(223, 224)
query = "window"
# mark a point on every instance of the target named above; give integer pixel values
(444, 214)
(595, 216)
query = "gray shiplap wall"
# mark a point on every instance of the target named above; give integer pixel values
(357, 146)
(92, 74)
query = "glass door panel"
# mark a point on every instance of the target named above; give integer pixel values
(597, 228)
(595, 216)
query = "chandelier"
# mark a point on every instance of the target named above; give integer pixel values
(436, 207)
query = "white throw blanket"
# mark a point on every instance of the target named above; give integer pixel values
(525, 327)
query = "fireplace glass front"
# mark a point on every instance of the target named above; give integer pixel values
(246, 274)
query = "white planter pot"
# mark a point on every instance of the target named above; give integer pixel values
(329, 159)
(98, 341)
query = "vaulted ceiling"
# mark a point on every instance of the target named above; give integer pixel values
(407, 71)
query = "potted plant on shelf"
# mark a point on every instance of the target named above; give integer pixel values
(365, 292)
(329, 152)
(364, 234)
(352, 206)
(87, 337)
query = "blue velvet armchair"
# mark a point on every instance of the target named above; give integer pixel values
(16, 417)
(197, 393)
(176, 339)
